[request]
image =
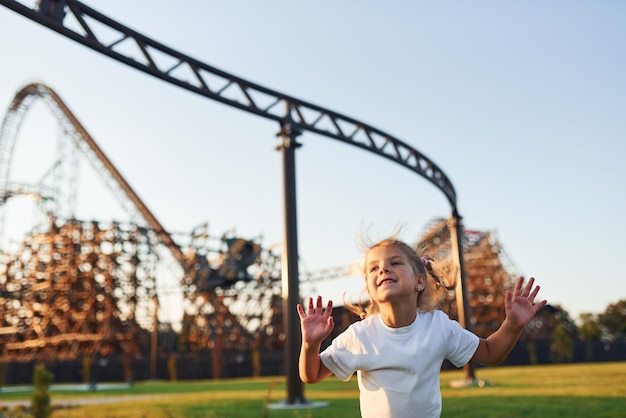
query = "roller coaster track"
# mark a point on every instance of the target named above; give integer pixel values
(199, 281)
(79, 22)
(81, 139)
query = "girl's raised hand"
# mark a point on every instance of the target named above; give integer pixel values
(318, 323)
(520, 304)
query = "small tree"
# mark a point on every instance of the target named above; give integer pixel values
(590, 333)
(562, 344)
(613, 321)
(589, 329)
(40, 401)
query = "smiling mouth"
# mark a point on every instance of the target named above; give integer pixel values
(386, 281)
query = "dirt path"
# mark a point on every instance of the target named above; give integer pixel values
(79, 401)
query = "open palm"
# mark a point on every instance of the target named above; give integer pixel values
(520, 304)
(318, 323)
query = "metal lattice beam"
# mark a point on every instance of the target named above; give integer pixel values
(85, 25)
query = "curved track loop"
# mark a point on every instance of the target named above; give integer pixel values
(81, 139)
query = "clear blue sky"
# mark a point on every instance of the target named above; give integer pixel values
(522, 104)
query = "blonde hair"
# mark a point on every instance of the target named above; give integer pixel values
(427, 300)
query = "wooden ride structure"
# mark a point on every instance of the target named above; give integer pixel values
(76, 288)
(488, 268)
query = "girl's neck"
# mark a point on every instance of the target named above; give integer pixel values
(398, 316)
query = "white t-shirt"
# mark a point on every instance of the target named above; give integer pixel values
(398, 368)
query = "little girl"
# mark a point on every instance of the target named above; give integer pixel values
(398, 348)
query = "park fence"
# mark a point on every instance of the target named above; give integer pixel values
(232, 364)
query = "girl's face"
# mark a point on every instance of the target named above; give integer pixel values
(390, 276)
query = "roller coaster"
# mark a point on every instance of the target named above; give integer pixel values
(76, 287)
(207, 274)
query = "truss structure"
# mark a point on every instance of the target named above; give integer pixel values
(81, 288)
(77, 288)
(489, 273)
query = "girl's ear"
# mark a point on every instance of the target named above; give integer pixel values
(421, 282)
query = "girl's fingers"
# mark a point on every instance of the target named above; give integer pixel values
(319, 305)
(317, 309)
(528, 286)
(525, 290)
(539, 305)
(534, 293)
(518, 286)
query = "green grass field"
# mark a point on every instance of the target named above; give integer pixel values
(574, 390)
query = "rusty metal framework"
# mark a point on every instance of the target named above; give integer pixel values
(231, 286)
(233, 297)
(80, 287)
(82, 140)
(489, 273)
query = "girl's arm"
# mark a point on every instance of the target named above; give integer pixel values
(312, 370)
(498, 345)
(520, 309)
(316, 326)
